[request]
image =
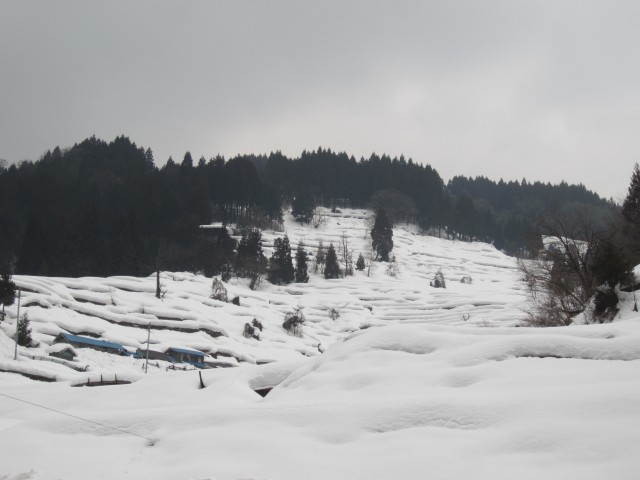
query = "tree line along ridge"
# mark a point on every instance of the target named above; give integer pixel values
(105, 208)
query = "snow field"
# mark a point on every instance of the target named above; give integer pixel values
(420, 394)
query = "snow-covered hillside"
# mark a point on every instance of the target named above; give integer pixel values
(440, 385)
(119, 309)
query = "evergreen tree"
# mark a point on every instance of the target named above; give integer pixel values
(465, 218)
(331, 268)
(382, 236)
(631, 204)
(360, 265)
(7, 291)
(281, 264)
(148, 156)
(631, 212)
(288, 272)
(302, 275)
(250, 260)
(610, 265)
(187, 161)
(24, 331)
(303, 207)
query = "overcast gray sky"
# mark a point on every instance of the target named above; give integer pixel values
(546, 90)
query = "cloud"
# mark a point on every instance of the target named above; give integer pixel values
(544, 90)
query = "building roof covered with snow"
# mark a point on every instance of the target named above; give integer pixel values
(89, 342)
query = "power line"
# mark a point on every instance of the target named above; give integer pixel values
(151, 442)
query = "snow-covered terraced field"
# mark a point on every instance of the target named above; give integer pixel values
(414, 382)
(119, 309)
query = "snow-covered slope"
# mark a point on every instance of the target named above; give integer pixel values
(119, 309)
(421, 394)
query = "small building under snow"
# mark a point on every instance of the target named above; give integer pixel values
(63, 351)
(183, 355)
(154, 355)
(87, 342)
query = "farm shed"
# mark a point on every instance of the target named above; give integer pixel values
(86, 342)
(154, 355)
(183, 355)
(61, 350)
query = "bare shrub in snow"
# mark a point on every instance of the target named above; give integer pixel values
(438, 280)
(604, 305)
(334, 314)
(466, 279)
(319, 221)
(393, 270)
(250, 332)
(293, 322)
(218, 291)
(257, 324)
(370, 263)
(256, 281)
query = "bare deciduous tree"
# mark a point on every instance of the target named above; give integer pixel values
(346, 254)
(370, 263)
(572, 267)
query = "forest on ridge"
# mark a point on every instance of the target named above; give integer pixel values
(105, 208)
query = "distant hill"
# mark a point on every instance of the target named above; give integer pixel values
(104, 208)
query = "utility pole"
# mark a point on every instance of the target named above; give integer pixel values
(15, 353)
(158, 293)
(146, 363)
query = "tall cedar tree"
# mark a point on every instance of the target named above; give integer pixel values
(631, 212)
(250, 259)
(7, 291)
(382, 236)
(303, 207)
(331, 268)
(302, 274)
(280, 264)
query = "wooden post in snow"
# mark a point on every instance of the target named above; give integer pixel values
(146, 363)
(15, 353)
(158, 276)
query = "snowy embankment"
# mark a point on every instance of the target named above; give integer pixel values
(402, 401)
(428, 391)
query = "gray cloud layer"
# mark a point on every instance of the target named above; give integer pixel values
(545, 90)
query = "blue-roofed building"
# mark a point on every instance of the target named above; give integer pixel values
(88, 342)
(192, 357)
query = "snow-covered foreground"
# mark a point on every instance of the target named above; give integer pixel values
(421, 393)
(406, 401)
